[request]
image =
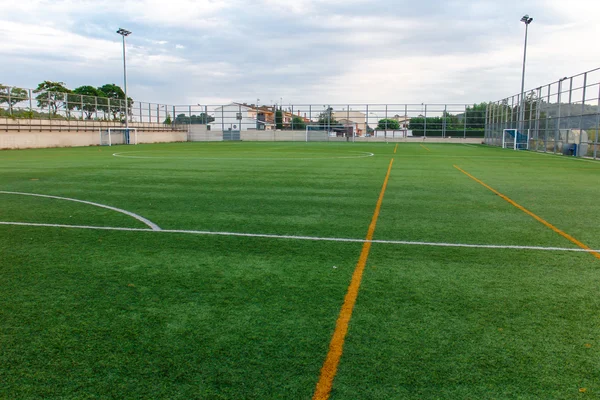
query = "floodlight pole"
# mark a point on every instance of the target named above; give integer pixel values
(526, 20)
(124, 33)
(257, 100)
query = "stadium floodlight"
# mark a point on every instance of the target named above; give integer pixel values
(124, 33)
(526, 20)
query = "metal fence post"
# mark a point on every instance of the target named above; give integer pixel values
(465, 124)
(581, 115)
(405, 127)
(386, 121)
(486, 135)
(444, 121)
(597, 124)
(367, 120)
(425, 122)
(549, 89)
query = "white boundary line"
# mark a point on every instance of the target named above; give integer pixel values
(362, 154)
(310, 238)
(147, 222)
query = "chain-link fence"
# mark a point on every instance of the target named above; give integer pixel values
(349, 120)
(562, 117)
(31, 109)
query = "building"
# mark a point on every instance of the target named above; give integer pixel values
(356, 119)
(403, 120)
(242, 117)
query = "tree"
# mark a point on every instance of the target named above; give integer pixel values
(12, 96)
(298, 123)
(326, 118)
(279, 119)
(476, 116)
(88, 102)
(388, 123)
(167, 120)
(52, 95)
(116, 96)
(201, 119)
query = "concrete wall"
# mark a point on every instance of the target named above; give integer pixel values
(418, 139)
(40, 139)
(274, 136)
(20, 125)
(300, 136)
(200, 133)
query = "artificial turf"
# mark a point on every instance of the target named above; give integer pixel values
(131, 314)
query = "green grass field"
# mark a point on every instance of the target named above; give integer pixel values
(140, 313)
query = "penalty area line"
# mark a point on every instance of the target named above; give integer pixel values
(309, 238)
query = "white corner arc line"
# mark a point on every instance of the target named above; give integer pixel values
(145, 221)
(311, 238)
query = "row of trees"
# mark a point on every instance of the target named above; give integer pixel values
(55, 97)
(203, 119)
(472, 122)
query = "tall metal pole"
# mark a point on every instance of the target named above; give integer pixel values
(125, 86)
(124, 33)
(526, 20)
(257, 100)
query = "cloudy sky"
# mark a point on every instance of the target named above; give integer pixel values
(304, 51)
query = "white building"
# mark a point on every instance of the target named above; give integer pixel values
(237, 117)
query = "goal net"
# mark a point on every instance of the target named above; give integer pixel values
(513, 139)
(330, 133)
(112, 136)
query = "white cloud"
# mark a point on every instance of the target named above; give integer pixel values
(338, 51)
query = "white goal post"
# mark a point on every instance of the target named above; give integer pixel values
(113, 136)
(513, 139)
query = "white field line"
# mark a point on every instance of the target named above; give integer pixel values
(147, 222)
(361, 154)
(310, 238)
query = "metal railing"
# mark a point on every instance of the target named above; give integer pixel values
(562, 117)
(28, 109)
(367, 120)
(31, 109)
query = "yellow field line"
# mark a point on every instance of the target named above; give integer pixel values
(526, 211)
(425, 148)
(395, 148)
(329, 368)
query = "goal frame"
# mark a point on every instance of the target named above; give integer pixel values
(514, 142)
(127, 138)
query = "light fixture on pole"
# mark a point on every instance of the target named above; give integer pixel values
(526, 20)
(125, 33)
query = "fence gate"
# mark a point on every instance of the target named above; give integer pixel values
(231, 134)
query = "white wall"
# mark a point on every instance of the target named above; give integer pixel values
(226, 118)
(41, 139)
